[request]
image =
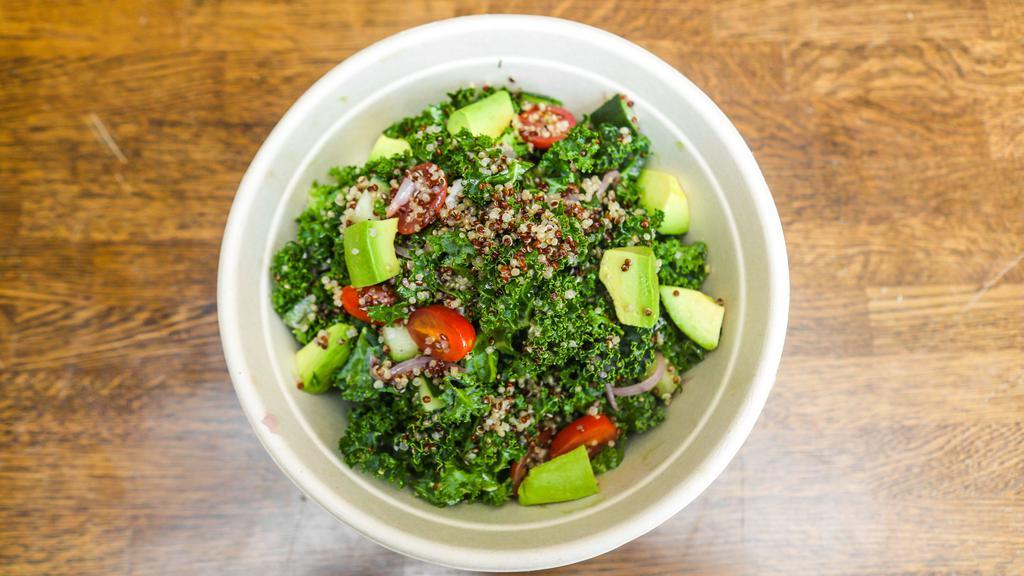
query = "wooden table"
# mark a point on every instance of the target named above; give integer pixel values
(892, 135)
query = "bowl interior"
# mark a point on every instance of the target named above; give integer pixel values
(336, 122)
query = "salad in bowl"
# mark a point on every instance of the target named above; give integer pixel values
(505, 294)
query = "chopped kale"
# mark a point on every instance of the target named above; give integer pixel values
(548, 338)
(608, 459)
(683, 265)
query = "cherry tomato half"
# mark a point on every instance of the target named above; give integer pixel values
(429, 189)
(543, 125)
(594, 432)
(356, 300)
(447, 334)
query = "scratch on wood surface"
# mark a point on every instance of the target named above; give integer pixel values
(103, 135)
(743, 499)
(122, 182)
(993, 281)
(129, 566)
(294, 534)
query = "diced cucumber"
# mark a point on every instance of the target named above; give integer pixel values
(668, 383)
(400, 344)
(534, 98)
(364, 208)
(617, 112)
(426, 396)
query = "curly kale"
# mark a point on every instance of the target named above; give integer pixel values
(683, 265)
(548, 339)
(371, 429)
(609, 458)
(354, 379)
(586, 151)
(678, 349)
(452, 485)
(639, 413)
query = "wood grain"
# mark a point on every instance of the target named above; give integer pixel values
(891, 133)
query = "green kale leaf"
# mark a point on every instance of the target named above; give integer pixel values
(371, 426)
(609, 458)
(681, 264)
(354, 378)
(453, 484)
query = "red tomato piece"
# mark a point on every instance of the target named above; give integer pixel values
(447, 334)
(594, 432)
(543, 125)
(356, 300)
(429, 189)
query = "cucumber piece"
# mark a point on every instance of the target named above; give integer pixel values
(299, 316)
(668, 383)
(400, 344)
(617, 112)
(568, 477)
(534, 98)
(364, 208)
(318, 360)
(426, 396)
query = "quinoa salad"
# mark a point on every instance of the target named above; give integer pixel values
(504, 295)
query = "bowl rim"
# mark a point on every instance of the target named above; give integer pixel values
(599, 542)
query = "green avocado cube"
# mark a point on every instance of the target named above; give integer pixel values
(370, 251)
(631, 277)
(317, 361)
(568, 477)
(426, 396)
(695, 313)
(385, 147)
(489, 116)
(661, 191)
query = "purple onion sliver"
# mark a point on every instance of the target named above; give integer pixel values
(402, 196)
(646, 384)
(611, 396)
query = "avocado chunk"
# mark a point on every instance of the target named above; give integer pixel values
(695, 313)
(489, 116)
(318, 360)
(568, 477)
(400, 344)
(661, 191)
(617, 112)
(426, 396)
(370, 251)
(385, 147)
(631, 277)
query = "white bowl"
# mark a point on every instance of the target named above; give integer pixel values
(335, 123)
